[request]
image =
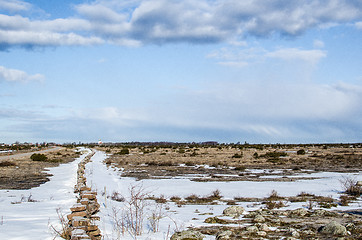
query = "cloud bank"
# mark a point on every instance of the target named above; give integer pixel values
(160, 21)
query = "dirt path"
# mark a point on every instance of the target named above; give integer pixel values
(28, 154)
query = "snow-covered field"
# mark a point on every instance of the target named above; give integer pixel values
(32, 220)
(30, 214)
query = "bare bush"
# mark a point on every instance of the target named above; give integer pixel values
(135, 206)
(156, 215)
(117, 197)
(119, 222)
(64, 231)
(350, 186)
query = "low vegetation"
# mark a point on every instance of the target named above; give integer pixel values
(38, 157)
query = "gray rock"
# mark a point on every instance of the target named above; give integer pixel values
(259, 219)
(263, 227)
(299, 212)
(350, 227)
(261, 233)
(233, 211)
(334, 228)
(308, 232)
(187, 235)
(252, 229)
(293, 232)
(224, 235)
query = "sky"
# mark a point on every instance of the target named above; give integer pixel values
(275, 71)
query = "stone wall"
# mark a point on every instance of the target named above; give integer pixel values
(81, 220)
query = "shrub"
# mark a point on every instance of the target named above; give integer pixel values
(301, 152)
(237, 155)
(124, 151)
(38, 157)
(240, 168)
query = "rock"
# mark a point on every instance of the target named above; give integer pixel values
(96, 232)
(334, 228)
(359, 183)
(80, 221)
(78, 234)
(299, 212)
(224, 235)
(261, 233)
(78, 208)
(295, 234)
(263, 227)
(233, 211)
(350, 227)
(323, 213)
(308, 232)
(92, 228)
(215, 220)
(187, 235)
(259, 219)
(76, 214)
(252, 229)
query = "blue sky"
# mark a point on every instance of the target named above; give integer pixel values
(274, 71)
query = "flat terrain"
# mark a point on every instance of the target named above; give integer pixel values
(158, 162)
(18, 171)
(285, 192)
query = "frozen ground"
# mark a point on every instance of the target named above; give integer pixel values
(29, 214)
(107, 180)
(21, 219)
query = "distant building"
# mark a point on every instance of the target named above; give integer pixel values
(100, 142)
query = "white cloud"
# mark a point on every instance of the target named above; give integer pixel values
(358, 25)
(240, 57)
(234, 64)
(14, 5)
(311, 56)
(318, 44)
(136, 22)
(30, 38)
(14, 75)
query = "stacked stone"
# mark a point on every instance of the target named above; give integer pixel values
(83, 213)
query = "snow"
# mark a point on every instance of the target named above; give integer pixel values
(107, 179)
(32, 220)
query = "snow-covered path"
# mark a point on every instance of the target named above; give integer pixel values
(29, 214)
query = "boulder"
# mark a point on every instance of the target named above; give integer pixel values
(252, 229)
(224, 235)
(233, 211)
(299, 212)
(334, 228)
(293, 232)
(215, 220)
(187, 235)
(262, 227)
(259, 219)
